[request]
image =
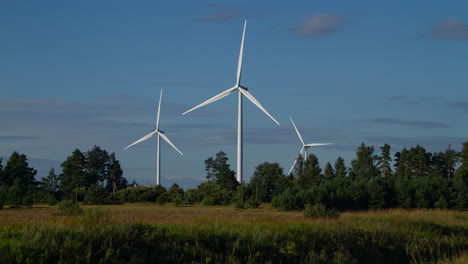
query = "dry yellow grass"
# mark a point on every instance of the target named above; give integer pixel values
(156, 214)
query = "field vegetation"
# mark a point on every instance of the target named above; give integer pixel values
(150, 233)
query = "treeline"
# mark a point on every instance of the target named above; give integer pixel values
(86, 176)
(411, 178)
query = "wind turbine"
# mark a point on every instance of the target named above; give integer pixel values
(305, 146)
(160, 134)
(242, 91)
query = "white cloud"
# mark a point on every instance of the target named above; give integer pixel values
(320, 25)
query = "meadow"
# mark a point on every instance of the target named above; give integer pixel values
(150, 233)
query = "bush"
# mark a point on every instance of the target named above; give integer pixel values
(69, 208)
(163, 198)
(96, 194)
(285, 201)
(27, 201)
(3, 192)
(253, 203)
(319, 210)
(209, 200)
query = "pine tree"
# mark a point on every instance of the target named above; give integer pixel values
(218, 171)
(17, 167)
(115, 180)
(19, 176)
(97, 165)
(311, 175)
(340, 168)
(328, 173)
(51, 182)
(383, 161)
(363, 167)
(461, 180)
(73, 172)
(1, 172)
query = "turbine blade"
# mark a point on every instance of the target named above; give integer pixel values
(292, 167)
(168, 141)
(159, 111)
(317, 144)
(255, 102)
(142, 139)
(241, 53)
(297, 131)
(214, 98)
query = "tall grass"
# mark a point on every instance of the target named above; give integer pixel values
(379, 238)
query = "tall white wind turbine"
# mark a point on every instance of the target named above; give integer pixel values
(242, 91)
(305, 146)
(160, 134)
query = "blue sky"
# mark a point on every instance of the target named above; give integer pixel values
(74, 74)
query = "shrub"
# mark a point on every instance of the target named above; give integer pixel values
(69, 208)
(319, 210)
(27, 201)
(96, 194)
(285, 201)
(3, 192)
(209, 200)
(253, 203)
(163, 198)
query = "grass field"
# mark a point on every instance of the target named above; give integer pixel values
(149, 233)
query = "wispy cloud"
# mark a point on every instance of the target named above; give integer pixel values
(412, 123)
(397, 98)
(461, 105)
(320, 25)
(15, 138)
(449, 29)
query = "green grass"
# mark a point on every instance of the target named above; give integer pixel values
(394, 236)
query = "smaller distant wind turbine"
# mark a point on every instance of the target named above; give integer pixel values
(159, 133)
(305, 146)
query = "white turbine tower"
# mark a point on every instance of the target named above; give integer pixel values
(242, 91)
(305, 146)
(159, 134)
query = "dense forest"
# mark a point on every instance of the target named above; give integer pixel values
(412, 178)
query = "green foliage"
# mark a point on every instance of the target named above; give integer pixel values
(218, 171)
(192, 196)
(311, 173)
(265, 180)
(252, 203)
(51, 182)
(96, 194)
(69, 208)
(214, 194)
(3, 195)
(95, 166)
(364, 166)
(163, 199)
(285, 201)
(319, 210)
(383, 161)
